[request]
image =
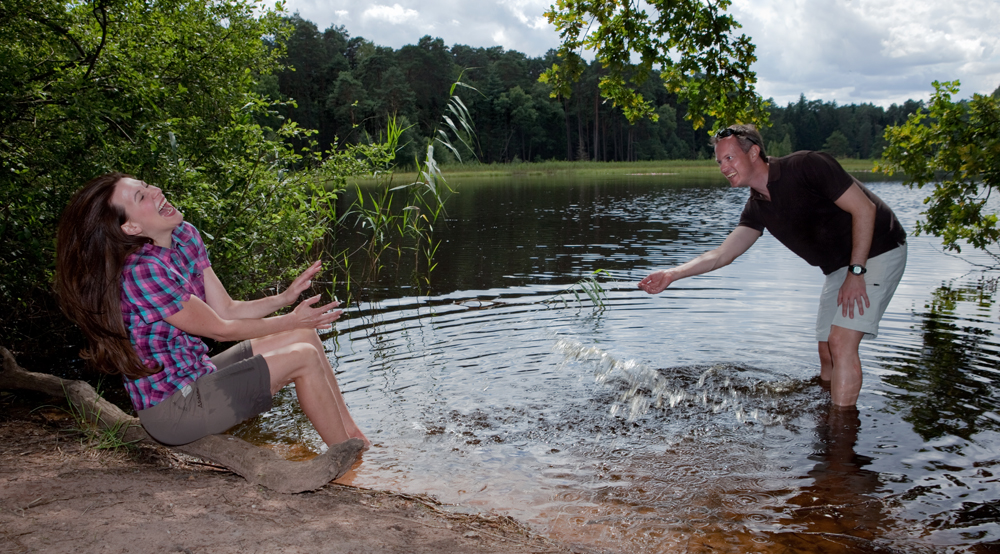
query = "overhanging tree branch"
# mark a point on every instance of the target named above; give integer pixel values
(693, 43)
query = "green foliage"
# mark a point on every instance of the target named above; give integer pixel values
(955, 146)
(778, 149)
(945, 387)
(92, 433)
(166, 90)
(401, 219)
(346, 88)
(836, 145)
(589, 287)
(691, 43)
(808, 124)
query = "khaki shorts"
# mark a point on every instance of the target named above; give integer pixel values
(239, 389)
(884, 273)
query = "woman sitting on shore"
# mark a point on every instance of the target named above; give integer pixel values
(137, 280)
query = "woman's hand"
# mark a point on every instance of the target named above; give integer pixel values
(316, 318)
(227, 308)
(300, 284)
(198, 318)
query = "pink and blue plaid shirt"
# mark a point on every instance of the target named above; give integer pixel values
(155, 280)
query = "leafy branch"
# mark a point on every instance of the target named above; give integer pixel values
(690, 44)
(955, 146)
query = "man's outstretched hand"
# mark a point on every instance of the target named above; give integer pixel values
(657, 281)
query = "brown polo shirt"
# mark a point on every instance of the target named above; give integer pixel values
(803, 216)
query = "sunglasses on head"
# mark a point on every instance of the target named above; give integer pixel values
(727, 132)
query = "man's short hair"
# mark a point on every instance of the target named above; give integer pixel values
(746, 135)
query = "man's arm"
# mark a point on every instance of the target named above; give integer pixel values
(862, 211)
(738, 242)
(218, 298)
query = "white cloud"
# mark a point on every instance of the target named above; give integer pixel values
(939, 31)
(394, 14)
(879, 51)
(848, 51)
(528, 12)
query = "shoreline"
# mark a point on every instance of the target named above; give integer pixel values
(698, 168)
(61, 495)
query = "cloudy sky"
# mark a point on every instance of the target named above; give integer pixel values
(848, 51)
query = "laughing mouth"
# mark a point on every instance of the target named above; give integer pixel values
(165, 208)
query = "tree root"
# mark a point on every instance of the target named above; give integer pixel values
(257, 465)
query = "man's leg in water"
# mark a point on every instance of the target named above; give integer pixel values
(840, 365)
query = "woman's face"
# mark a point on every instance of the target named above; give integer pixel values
(147, 210)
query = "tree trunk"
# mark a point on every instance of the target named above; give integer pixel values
(257, 465)
(597, 124)
(569, 137)
(604, 139)
(616, 135)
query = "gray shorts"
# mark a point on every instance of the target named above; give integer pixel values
(239, 389)
(884, 273)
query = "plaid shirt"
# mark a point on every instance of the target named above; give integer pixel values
(155, 281)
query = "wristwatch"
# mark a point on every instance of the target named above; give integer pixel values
(856, 269)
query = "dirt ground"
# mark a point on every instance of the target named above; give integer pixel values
(58, 494)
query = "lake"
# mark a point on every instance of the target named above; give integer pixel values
(689, 421)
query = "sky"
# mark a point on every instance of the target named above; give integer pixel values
(848, 51)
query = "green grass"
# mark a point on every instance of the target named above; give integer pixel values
(853, 165)
(593, 169)
(92, 434)
(589, 287)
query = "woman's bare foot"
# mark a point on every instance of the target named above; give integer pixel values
(360, 435)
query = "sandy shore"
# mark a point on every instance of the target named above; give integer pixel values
(58, 494)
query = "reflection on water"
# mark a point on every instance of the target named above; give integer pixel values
(949, 386)
(841, 507)
(693, 420)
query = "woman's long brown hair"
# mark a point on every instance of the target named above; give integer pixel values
(90, 253)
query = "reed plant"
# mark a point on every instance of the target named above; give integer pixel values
(589, 288)
(398, 221)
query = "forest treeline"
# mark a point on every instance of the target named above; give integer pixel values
(185, 94)
(347, 87)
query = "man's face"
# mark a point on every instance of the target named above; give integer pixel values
(733, 162)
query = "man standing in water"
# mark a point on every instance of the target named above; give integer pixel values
(829, 219)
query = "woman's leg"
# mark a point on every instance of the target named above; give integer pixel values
(298, 356)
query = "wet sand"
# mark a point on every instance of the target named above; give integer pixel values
(60, 495)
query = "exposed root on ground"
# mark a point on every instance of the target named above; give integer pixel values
(257, 465)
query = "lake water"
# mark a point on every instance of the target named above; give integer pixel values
(690, 421)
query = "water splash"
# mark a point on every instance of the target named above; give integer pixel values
(720, 388)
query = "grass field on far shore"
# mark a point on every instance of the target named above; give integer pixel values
(595, 169)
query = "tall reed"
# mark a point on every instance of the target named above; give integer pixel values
(398, 221)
